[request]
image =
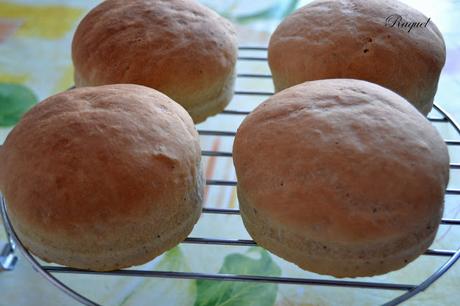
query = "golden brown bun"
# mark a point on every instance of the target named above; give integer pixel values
(103, 178)
(341, 177)
(178, 47)
(329, 39)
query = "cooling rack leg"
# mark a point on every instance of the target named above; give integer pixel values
(7, 258)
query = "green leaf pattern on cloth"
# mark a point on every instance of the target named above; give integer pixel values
(215, 293)
(15, 100)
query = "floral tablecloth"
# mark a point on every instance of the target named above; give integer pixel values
(35, 37)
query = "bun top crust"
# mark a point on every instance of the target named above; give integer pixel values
(178, 47)
(342, 161)
(95, 158)
(348, 39)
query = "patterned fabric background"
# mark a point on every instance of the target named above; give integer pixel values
(35, 37)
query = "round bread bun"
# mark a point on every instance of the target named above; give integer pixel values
(178, 47)
(341, 177)
(103, 178)
(355, 39)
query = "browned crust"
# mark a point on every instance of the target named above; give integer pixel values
(341, 162)
(178, 47)
(329, 39)
(103, 171)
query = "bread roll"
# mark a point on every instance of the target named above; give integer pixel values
(178, 47)
(359, 39)
(102, 178)
(341, 177)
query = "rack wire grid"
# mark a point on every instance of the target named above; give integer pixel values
(8, 259)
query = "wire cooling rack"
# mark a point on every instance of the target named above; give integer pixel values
(8, 259)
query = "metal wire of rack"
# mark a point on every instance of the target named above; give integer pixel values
(8, 260)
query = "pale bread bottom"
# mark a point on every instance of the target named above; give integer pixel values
(201, 112)
(339, 260)
(104, 260)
